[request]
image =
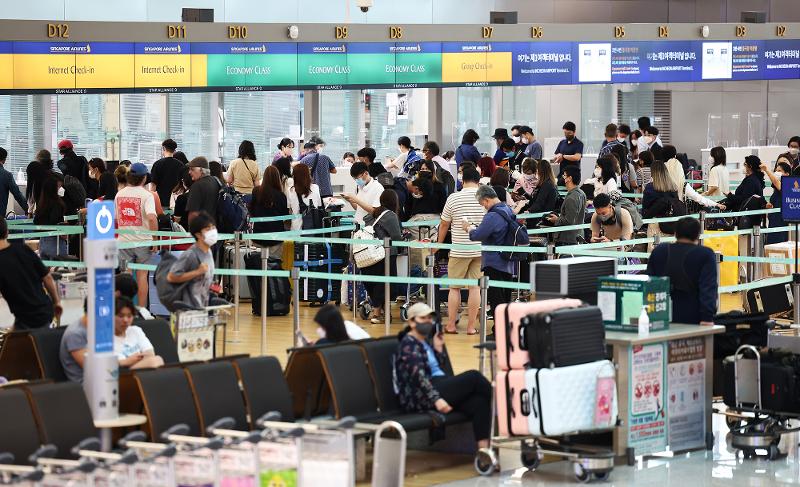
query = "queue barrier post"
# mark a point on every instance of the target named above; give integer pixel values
(718, 259)
(237, 240)
(702, 222)
(387, 287)
(551, 250)
(264, 279)
(484, 285)
(354, 285)
(657, 239)
(757, 244)
(295, 276)
(430, 259)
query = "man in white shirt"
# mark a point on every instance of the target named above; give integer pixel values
(368, 195)
(136, 214)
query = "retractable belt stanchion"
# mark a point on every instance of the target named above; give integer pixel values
(354, 285)
(237, 239)
(387, 287)
(101, 369)
(484, 285)
(264, 280)
(758, 251)
(295, 275)
(430, 259)
(702, 222)
(551, 249)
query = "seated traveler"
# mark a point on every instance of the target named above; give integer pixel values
(131, 345)
(333, 328)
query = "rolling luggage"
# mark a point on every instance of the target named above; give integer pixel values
(779, 387)
(279, 293)
(318, 257)
(228, 258)
(513, 403)
(770, 300)
(565, 337)
(512, 351)
(578, 398)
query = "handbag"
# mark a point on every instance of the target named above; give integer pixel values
(368, 254)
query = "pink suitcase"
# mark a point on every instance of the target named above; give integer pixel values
(511, 348)
(513, 403)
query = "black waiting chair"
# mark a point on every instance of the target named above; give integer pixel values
(18, 433)
(160, 335)
(216, 394)
(47, 343)
(264, 387)
(62, 414)
(306, 380)
(18, 357)
(167, 398)
(352, 393)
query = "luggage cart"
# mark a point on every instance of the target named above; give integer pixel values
(752, 428)
(196, 331)
(587, 462)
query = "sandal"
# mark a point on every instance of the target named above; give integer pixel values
(472, 332)
(451, 332)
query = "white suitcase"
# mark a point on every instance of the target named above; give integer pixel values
(578, 398)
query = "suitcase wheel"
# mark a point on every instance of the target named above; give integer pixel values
(530, 458)
(581, 475)
(486, 462)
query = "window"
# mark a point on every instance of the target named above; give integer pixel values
(143, 128)
(392, 114)
(22, 129)
(191, 124)
(83, 120)
(474, 112)
(341, 118)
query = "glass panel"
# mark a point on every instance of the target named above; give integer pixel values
(341, 122)
(142, 119)
(82, 119)
(474, 112)
(21, 132)
(190, 123)
(597, 109)
(391, 114)
(519, 107)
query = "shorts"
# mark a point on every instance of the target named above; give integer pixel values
(138, 255)
(464, 268)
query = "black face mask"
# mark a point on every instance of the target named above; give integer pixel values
(424, 328)
(425, 174)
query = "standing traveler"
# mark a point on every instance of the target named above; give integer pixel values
(71, 164)
(180, 195)
(26, 284)
(500, 135)
(446, 172)
(794, 150)
(368, 192)
(692, 271)
(367, 155)
(425, 384)
(401, 162)
(269, 200)
(569, 151)
(526, 185)
(136, 213)
(196, 265)
(8, 185)
(467, 150)
(303, 195)
(284, 165)
(321, 166)
(50, 210)
(463, 264)
(718, 176)
(573, 209)
(660, 199)
(36, 172)
(106, 182)
(545, 194)
(385, 223)
(610, 223)
(243, 171)
(204, 193)
(166, 172)
(533, 148)
(782, 168)
(285, 149)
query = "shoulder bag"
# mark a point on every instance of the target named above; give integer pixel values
(368, 254)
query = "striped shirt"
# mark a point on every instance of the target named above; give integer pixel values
(462, 205)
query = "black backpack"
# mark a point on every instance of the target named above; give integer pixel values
(312, 216)
(668, 206)
(446, 179)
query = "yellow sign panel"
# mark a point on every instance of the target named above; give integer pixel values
(104, 71)
(163, 71)
(199, 70)
(476, 67)
(7, 66)
(44, 71)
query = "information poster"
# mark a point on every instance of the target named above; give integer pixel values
(717, 60)
(747, 59)
(628, 62)
(686, 380)
(542, 63)
(647, 423)
(594, 63)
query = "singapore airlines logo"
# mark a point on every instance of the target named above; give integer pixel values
(88, 48)
(796, 186)
(179, 49)
(263, 48)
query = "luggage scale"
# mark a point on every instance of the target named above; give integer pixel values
(587, 462)
(751, 427)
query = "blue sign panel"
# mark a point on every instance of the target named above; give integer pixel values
(781, 60)
(100, 220)
(747, 59)
(790, 199)
(542, 63)
(103, 310)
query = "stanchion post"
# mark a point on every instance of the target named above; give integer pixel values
(430, 260)
(295, 274)
(758, 251)
(702, 222)
(551, 250)
(656, 239)
(237, 239)
(354, 283)
(387, 287)
(484, 285)
(264, 280)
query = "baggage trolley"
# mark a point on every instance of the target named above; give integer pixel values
(587, 462)
(752, 428)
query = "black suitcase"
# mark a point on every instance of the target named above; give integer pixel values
(770, 300)
(319, 257)
(740, 329)
(779, 387)
(565, 337)
(279, 294)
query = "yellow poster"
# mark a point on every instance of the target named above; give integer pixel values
(104, 71)
(44, 71)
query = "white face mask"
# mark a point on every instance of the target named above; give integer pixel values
(525, 140)
(61, 191)
(321, 332)
(516, 138)
(416, 196)
(210, 237)
(621, 139)
(460, 177)
(597, 172)
(794, 151)
(529, 177)
(711, 160)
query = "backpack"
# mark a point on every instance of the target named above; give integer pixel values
(232, 215)
(168, 293)
(668, 206)
(312, 216)
(754, 202)
(636, 218)
(446, 179)
(516, 236)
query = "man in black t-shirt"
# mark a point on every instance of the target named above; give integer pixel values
(23, 283)
(204, 192)
(166, 172)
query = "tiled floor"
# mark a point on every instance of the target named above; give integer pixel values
(720, 467)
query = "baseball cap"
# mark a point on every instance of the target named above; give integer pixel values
(65, 144)
(419, 310)
(138, 169)
(200, 162)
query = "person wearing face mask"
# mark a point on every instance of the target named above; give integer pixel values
(533, 148)
(333, 328)
(526, 185)
(403, 162)
(285, 149)
(794, 151)
(605, 177)
(500, 135)
(425, 380)
(545, 195)
(136, 214)
(196, 265)
(718, 176)
(106, 182)
(569, 151)
(50, 210)
(623, 135)
(321, 166)
(611, 143)
(650, 141)
(751, 185)
(508, 154)
(782, 168)
(608, 222)
(573, 209)
(368, 196)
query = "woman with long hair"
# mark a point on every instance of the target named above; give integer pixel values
(284, 165)
(657, 197)
(486, 166)
(50, 210)
(546, 194)
(718, 176)
(37, 171)
(385, 223)
(243, 171)
(270, 200)
(605, 176)
(180, 195)
(783, 167)
(302, 195)
(333, 328)
(752, 184)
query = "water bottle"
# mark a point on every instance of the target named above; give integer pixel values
(644, 323)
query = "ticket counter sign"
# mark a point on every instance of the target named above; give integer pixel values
(790, 199)
(244, 65)
(322, 65)
(162, 66)
(417, 65)
(44, 65)
(476, 63)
